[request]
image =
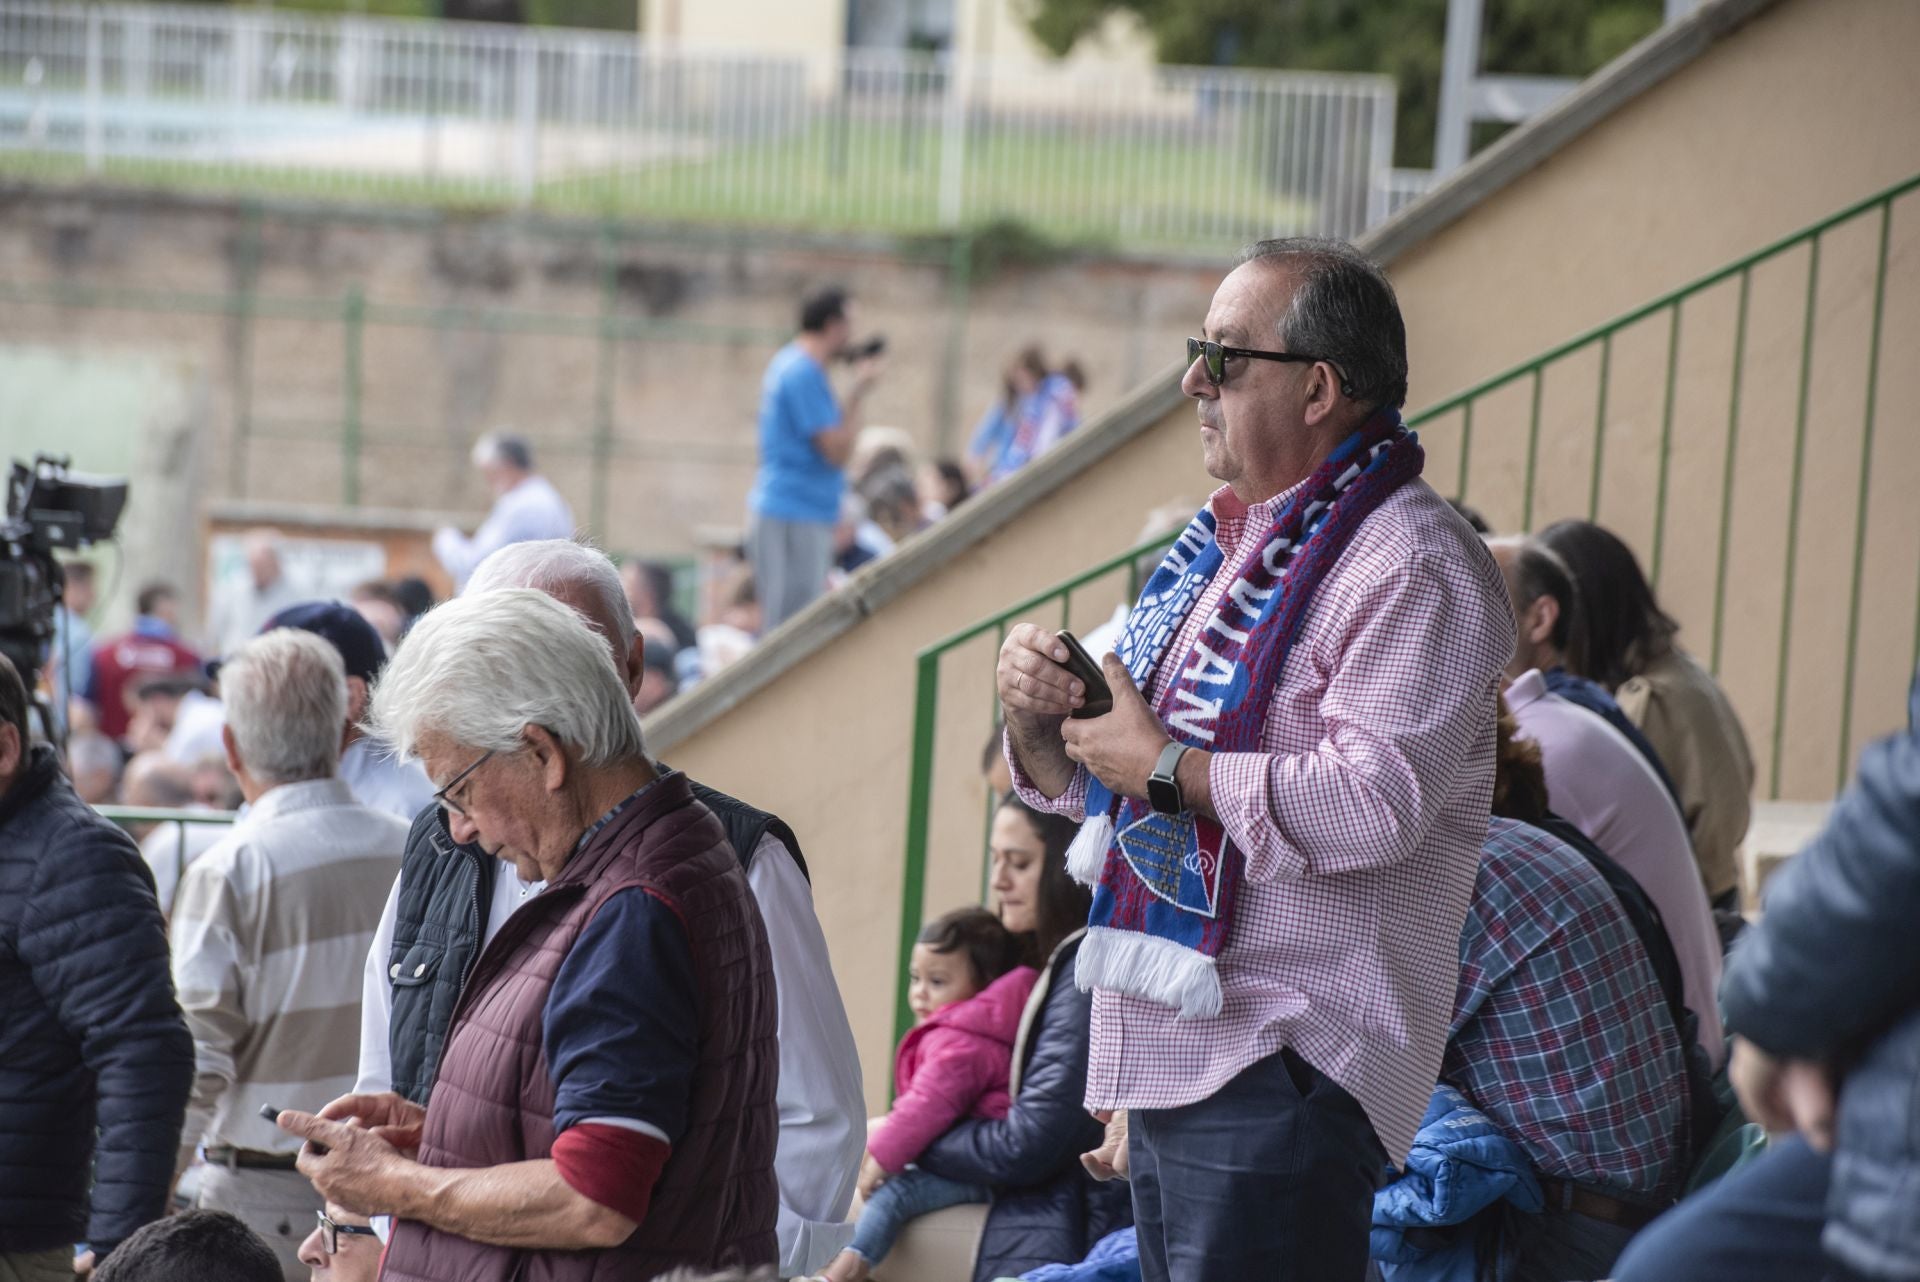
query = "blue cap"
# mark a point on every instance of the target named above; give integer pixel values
(360, 647)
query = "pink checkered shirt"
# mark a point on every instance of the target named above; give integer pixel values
(1360, 819)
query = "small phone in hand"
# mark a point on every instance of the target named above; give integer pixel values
(1099, 697)
(272, 1113)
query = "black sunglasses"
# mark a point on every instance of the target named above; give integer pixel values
(1214, 356)
(330, 1233)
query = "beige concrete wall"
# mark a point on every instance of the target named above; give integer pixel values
(1807, 109)
(827, 745)
(994, 30)
(798, 28)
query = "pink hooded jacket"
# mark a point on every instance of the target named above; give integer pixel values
(956, 1065)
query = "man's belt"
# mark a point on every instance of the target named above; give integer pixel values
(248, 1159)
(1565, 1195)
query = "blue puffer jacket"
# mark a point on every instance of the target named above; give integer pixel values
(1460, 1165)
(90, 1034)
(1046, 1208)
(1832, 973)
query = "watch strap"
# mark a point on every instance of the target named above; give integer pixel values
(1166, 776)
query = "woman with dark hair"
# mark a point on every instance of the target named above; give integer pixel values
(1045, 1209)
(1626, 642)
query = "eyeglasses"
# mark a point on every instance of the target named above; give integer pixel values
(445, 797)
(330, 1233)
(1215, 356)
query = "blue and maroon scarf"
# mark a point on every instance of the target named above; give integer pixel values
(1164, 885)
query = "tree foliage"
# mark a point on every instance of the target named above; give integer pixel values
(1399, 38)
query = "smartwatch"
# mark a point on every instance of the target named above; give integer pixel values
(1163, 788)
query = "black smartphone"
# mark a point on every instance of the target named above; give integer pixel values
(272, 1113)
(1082, 665)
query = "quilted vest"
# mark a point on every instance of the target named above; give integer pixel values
(492, 1100)
(445, 889)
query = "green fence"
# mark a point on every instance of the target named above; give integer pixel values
(1805, 323)
(1717, 382)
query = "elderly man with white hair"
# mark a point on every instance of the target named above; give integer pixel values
(525, 507)
(431, 934)
(267, 929)
(604, 1105)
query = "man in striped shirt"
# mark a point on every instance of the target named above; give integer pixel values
(268, 930)
(1258, 1133)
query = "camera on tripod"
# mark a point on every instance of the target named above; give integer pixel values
(48, 507)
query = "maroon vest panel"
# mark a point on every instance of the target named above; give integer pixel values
(492, 1103)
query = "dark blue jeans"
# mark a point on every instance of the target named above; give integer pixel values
(1269, 1180)
(907, 1196)
(1760, 1224)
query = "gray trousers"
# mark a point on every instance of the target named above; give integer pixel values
(278, 1205)
(790, 564)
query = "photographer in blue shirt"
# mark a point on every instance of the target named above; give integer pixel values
(806, 435)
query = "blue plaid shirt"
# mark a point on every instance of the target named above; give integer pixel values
(1560, 1034)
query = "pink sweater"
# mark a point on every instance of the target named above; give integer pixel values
(956, 1065)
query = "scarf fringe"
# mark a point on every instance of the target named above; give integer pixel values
(1087, 855)
(1147, 966)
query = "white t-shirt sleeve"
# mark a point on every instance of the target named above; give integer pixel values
(821, 1100)
(376, 1004)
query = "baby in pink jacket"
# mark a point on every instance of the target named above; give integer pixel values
(968, 992)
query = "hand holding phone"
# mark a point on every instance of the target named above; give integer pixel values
(272, 1113)
(1099, 697)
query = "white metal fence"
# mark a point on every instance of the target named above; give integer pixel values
(596, 121)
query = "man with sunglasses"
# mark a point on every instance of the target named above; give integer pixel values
(1285, 806)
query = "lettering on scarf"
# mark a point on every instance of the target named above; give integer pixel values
(1195, 716)
(1208, 666)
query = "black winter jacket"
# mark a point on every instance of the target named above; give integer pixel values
(1046, 1209)
(90, 1034)
(1832, 973)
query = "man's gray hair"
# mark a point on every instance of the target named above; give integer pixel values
(286, 702)
(556, 566)
(482, 668)
(1344, 311)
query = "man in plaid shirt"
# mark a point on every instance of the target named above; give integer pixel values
(1563, 1038)
(1258, 1133)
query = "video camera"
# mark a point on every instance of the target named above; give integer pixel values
(48, 507)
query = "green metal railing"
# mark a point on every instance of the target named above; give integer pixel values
(1475, 408)
(1672, 306)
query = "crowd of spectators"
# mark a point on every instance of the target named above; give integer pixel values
(1369, 930)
